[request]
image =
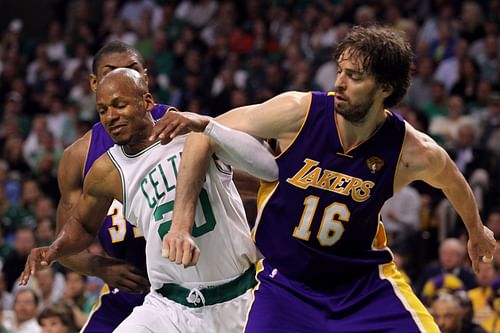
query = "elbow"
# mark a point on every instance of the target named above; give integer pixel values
(270, 174)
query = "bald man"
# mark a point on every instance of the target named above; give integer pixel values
(142, 176)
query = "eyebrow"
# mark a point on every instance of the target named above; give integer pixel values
(127, 66)
(354, 71)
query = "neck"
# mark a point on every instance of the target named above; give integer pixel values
(353, 134)
(140, 141)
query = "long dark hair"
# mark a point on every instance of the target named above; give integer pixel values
(383, 53)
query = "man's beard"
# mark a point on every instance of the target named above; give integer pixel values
(356, 113)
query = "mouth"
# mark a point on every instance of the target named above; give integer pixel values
(116, 129)
(340, 98)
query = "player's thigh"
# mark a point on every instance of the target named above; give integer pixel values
(154, 316)
(230, 316)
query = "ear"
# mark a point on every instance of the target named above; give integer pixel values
(93, 82)
(149, 101)
(387, 90)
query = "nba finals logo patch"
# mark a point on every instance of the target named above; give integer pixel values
(375, 164)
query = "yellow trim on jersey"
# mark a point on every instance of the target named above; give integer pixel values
(409, 300)
(104, 291)
(300, 129)
(380, 240)
(266, 190)
(259, 267)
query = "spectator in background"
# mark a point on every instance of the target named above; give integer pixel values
(77, 298)
(14, 263)
(23, 317)
(480, 296)
(57, 319)
(490, 125)
(468, 79)
(471, 21)
(488, 60)
(445, 128)
(401, 217)
(419, 93)
(12, 217)
(451, 260)
(13, 154)
(44, 232)
(441, 48)
(49, 289)
(448, 69)
(447, 312)
(492, 323)
(475, 162)
(437, 105)
(6, 298)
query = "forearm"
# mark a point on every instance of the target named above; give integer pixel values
(85, 263)
(243, 151)
(460, 195)
(194, 165)
(72, 239)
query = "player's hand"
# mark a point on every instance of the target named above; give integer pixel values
(179, 247)
(122, 275)
(481, 246)
(174, 123)
(38, 259)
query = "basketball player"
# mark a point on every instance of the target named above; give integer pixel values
(327, 267)
(212, 296)
(124, 271)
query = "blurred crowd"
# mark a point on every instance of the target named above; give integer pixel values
(210, 56)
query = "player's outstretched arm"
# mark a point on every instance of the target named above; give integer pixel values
(178, 244)
(115, 272)
(430, 162)
(100, 187)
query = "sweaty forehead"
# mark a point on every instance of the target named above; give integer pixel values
(352, 60)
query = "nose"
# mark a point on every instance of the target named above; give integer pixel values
(111, 115)
(340, 82)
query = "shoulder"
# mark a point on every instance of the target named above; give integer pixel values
(77, 151)
(419, 153)
(72, 163)
(103, 179)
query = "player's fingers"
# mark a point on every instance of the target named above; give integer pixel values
(157, 130)
(25, 275)
(134, 283)
(475, 264)
(173, 250)
(165, 251)
(196, 255)
(179, 252)
(187, 255)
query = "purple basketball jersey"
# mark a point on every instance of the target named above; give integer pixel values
(325, 207)
(119, 239)
(327, 268)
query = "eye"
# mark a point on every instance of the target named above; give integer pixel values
(101, 110)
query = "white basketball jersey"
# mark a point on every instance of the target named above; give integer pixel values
(220, 230)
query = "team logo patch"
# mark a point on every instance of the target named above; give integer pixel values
(375, 164)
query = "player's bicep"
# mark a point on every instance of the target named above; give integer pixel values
(439, 170)
(91, 211)
(69, 180)
(278, 117)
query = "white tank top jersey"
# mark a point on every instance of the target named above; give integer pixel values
(220, 230)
